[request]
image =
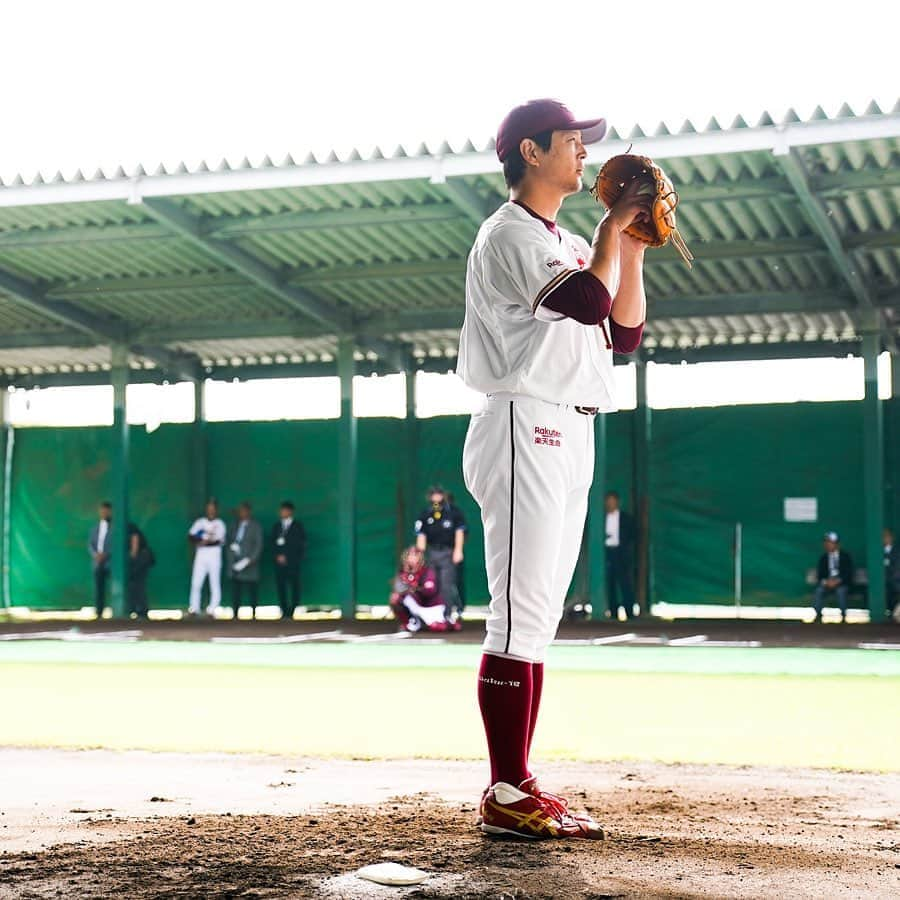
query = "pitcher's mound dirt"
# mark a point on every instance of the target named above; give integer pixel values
(662, 843)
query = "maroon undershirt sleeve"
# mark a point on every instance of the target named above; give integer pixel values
(584, 298)
(625, 339)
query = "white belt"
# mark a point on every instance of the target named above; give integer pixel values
(504, 396)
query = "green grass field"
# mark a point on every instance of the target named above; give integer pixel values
(803, 707)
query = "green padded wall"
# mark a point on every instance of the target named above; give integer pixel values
(709, 469)
(714, 467)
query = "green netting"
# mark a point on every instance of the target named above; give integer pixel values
(710, 468)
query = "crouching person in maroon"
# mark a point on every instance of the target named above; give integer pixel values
(545, 311)
(415, 600)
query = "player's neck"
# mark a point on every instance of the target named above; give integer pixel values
(542, 199)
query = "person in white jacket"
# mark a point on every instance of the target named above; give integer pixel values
(207, 534)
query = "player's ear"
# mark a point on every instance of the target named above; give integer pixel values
(529, 151)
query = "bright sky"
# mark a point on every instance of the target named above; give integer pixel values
(95, 83)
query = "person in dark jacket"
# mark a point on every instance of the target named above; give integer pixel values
(288, 542)
(834, 575)
(620, 541)
(99, 546)
(243, 550)
(140, 561)
(440, 534)
(891, 571)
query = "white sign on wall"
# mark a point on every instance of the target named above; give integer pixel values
(801, 509)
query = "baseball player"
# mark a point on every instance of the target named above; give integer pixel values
(415, 599)
(545, 311)
(207, 534)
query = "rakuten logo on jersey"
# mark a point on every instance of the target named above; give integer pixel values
(550, 437)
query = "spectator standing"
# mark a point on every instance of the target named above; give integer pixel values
(891, 571)
(620, 541)
(245, 545)
(98, 546)
(834, 575)
(288, 541)
(440, 533)
(140, 561)
(207, 534)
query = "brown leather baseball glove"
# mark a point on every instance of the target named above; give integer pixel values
(612, 180)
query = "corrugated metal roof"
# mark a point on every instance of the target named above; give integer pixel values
(264, 264)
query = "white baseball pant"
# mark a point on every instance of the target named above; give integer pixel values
(207, 564)
(529, 465)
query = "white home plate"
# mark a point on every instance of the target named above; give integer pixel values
(392, 874)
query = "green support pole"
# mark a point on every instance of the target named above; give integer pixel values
(119, 530)
(595, 542)
(346, 536)
(873, 471)
(199, 461)
(412, 485)
(891, 409)
(640, 448)
(5, 446)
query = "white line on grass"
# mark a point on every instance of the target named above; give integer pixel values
(282, 639)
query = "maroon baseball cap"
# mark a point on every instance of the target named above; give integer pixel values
(535, 116)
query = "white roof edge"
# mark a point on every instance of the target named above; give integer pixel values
(774, 138)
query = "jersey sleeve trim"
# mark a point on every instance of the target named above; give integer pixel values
(551, 286)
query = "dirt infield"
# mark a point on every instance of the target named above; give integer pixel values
(236, 827)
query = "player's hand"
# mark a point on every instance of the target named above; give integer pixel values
(632, 206)
(457, 557)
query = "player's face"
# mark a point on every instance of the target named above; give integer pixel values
(563, 163)
(830, 546)
(211, 511)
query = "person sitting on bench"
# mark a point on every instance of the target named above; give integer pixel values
(834, 575)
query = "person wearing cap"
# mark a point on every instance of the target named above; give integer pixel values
(834, 575)
(545, 311)
(440, 534)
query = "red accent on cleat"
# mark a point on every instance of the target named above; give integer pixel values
(520, 815)
(591, 830)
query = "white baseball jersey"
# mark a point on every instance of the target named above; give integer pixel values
(211, 530)
(529, 454)
(509, 342)
(207, 563)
